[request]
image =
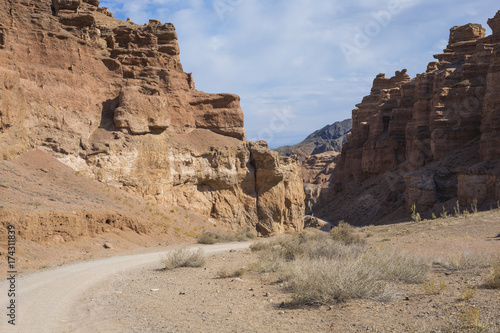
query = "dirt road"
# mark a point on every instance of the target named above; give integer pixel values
(45, 300)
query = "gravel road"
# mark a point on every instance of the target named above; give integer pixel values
(45, 300)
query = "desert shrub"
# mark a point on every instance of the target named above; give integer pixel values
(493, 278)
(316, 282)
(467, 293)
(464, 261)
(244, 235)
(259, 246)
(431, 288)
(310, 244)
(224, 273)
(401, 267)
(415, 216)
(184, 258)
(469, 317)
(345, 233)
(319, 269)
(212, 237)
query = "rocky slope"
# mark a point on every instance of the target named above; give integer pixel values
(110, 99)
(429, 141)
(318, 155)
(329, 138)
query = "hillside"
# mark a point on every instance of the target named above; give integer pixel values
(329, 138)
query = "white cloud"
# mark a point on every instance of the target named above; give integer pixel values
(286, 54)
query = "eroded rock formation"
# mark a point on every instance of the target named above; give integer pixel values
(430, 140)
(110, 99)
(318, 155)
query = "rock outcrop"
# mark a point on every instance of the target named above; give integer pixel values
(318, 155)
(430, 140)
(329, 138)
(110, 99)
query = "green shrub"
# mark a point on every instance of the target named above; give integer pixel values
(184, 258)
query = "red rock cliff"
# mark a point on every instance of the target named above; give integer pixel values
(110, 99)
(429, 140)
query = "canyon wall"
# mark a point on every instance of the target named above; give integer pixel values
(428, 141)
(110, 99)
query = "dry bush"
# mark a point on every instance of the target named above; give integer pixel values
(209, 237)
(469, 317)
(244, 235)
(493, 278)
(184, 258)
(319, 269)
(401, 267)
(467, 293)
(224, 273)
(465, 261)
(316, 282)
(345, 233)
(431, 288)
(259, 246)
(212, 237)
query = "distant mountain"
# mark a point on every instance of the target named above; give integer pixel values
(329, 138)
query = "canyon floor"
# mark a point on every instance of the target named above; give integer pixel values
(138, 296)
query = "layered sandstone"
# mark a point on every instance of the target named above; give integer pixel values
(111, 100)
(417, 140)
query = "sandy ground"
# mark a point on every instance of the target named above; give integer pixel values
(133, 294)
(46, 301)
(197, 300)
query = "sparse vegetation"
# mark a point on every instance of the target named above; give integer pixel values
(345, 233)
(184, 258)
(444, 213)
(319, 268)
(493, 278)
(415, 216)
(212, 237)
(431, 288)
(467, 293)
(457, 209)
(464, 261)
(474, 206)
(259, 246)
(224, 274)
(469, 317)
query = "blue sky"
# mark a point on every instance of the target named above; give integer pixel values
(299, 65)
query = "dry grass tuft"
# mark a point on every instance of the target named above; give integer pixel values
(431, 288)
(464, 261)
(224, 273)
(211, 237)
(183, 258)
(259, 246)
(345, 233)
(319, 269)
(467, 293)
(493, 278)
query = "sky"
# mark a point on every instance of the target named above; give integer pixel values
(299, 65)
